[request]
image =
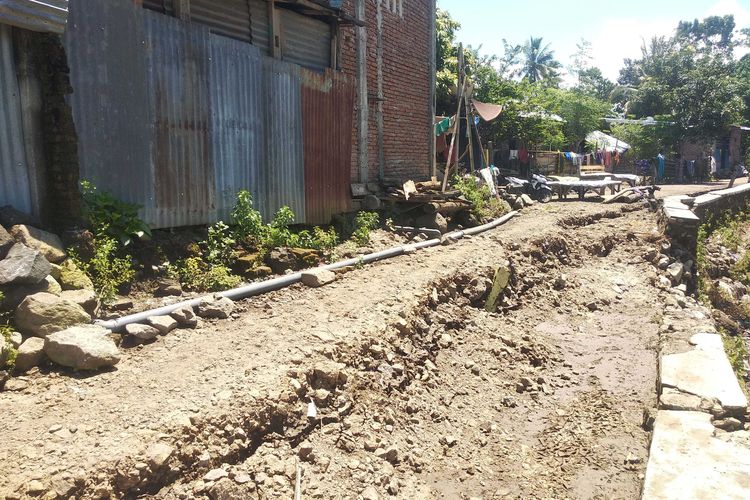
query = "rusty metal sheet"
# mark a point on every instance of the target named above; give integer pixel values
(284, 177)
(327, 121)
(178, 78)
(110, 99)
(48, 16)
(237, 132)
(14, 178)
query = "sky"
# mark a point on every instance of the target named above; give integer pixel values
(615, 29)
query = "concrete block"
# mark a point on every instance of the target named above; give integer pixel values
(688, 461)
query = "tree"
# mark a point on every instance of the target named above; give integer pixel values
(539, 62)
(691, 78)
(592, 82)
(581, 60)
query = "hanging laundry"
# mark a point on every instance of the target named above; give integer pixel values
(661, 161)
(442, 126)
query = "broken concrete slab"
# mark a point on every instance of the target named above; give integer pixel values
(687, 461)
(316, 278)
(672, 399)
(705, 373)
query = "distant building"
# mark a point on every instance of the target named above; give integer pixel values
(178, 104)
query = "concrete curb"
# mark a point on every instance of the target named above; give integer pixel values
(689, 457)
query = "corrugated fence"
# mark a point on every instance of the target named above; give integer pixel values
(178, 119)
(14, 179)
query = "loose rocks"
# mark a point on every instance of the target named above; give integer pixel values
(216, 307)
(142, 332)
(6, 241)
(86, 347)
(164, 324)
(185, 317)
(30, 354)
(318, 277)
(23, 266)
(84, 298)
(167, 288)
(43, 313)
(72, 278)
(48, 244)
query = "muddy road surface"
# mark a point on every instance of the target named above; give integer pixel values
(418, 391)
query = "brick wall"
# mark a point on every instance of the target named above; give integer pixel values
(406, 86)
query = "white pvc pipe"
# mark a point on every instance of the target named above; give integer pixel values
(273, 284)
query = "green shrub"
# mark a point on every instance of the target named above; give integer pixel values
(218, 249)
(364, 223)
(485, 205)
(247, 223)
(10, 351)
(106, 215)
(318, 239)
(279, 234)
(108, 271)
(196, 274)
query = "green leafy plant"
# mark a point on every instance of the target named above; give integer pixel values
(107, 215)
(247, 223)
(218, 249)
(364, 223)
(318, 239)
(485, 206)
(107, 270)
(196, 274)
(9, 352)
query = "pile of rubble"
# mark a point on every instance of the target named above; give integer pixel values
(47, 297)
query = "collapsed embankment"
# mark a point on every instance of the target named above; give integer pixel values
(419, 391)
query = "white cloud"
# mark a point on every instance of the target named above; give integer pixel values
(620, 38)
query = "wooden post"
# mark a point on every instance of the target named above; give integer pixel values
(456, 128)
(469, 133)
(363, 110)
(182, 9)
(273, 29)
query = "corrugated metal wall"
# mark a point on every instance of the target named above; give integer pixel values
(328, 118)
(110, 99)
(283, 165)
(178, 119)
(14, 180)
(35, 15)
(305, 41)
(238, 136)
(177, 62)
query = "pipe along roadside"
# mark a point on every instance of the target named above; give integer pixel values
(271, 285)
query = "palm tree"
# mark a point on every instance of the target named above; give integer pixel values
(540, 63)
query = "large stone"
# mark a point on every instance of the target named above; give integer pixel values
(168, 288)
(215, 307)
(186, 317)
(142, 333)
(686, 460)
(83, 347)
(50, 245)
(72, 278)
(432, 221)
(84, 298)
(23, 266)
(30, 354)
(164, 324)
(43, 313)
(675, 272)
(6, 241)
(14, 295)
(318, 277)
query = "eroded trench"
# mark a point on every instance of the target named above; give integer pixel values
(541, 397)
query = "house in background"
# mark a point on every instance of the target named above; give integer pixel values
(178, 104)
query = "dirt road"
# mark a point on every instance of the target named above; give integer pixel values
(420, 393)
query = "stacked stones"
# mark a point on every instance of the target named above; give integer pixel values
(51, 301)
